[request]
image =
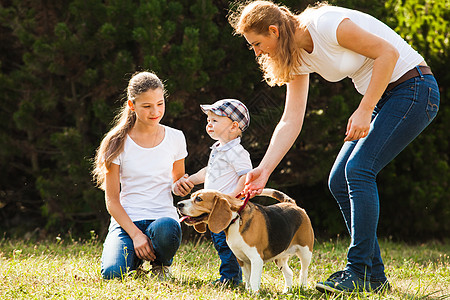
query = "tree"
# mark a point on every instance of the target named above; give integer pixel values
(73, 60)
(64, 66)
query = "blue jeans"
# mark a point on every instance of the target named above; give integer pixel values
(399, 117)
(118, 256)
(229, 267)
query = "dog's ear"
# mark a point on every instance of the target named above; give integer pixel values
(220, 216)
(200, 227)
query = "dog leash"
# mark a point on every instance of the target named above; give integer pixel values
(247, 197)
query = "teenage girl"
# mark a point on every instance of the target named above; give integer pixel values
(136, 165)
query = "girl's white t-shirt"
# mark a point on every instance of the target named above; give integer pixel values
(334, 63)
(146, 176)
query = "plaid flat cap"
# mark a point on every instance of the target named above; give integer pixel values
(231, 108)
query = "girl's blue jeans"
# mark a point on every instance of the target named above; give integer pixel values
(118, 256)
(399, 117)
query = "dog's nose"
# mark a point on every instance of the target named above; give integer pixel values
(180, 205)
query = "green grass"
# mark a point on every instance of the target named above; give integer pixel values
(67, 269)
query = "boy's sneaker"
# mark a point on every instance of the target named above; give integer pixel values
(162, 273)
(343, 282)
(380, 286)
(225, 282)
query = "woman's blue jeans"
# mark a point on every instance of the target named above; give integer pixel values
(399, 117)
(118, 256)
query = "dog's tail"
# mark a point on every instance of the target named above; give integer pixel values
(280, 196)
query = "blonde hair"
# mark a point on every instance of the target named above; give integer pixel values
(113, 142)
(257, 16)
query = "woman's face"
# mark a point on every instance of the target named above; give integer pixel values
(263, 44)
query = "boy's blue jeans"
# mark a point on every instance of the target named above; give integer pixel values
(399, 117)
(229, 267)
(118, 256)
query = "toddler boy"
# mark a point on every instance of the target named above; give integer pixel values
(228, 164)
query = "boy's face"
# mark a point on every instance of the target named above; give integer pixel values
(220, 128)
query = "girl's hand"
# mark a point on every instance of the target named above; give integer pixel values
(182, 186)
(143, 247)
(256, 181)
(358, 125)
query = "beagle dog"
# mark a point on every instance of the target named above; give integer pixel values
(255, 233)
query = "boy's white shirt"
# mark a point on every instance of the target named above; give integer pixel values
(146, 177)
(227, 163)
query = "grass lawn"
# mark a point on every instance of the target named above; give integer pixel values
(67, 269)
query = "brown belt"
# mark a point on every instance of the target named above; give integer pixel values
(426, 70)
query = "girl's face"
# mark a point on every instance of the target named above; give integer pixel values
(220, 128)
(263, 44)
(149, 106)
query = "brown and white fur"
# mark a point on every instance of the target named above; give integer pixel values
(259, 233)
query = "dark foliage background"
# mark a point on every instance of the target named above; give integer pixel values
(64, 66)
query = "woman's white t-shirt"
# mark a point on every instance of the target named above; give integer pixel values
(334, 63)
(146, 176)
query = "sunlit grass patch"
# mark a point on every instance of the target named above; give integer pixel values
(68, 269)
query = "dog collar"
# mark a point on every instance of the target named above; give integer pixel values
(247, 197)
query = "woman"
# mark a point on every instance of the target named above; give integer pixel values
(400, 98)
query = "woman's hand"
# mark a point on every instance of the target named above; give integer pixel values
(384, 56)
(143, 247)
(256, 181)
(284, 135)
(358, 125)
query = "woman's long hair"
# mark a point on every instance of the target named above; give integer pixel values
(257, 16)
(113, 142)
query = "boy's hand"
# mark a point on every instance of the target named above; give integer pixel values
(182, 186)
